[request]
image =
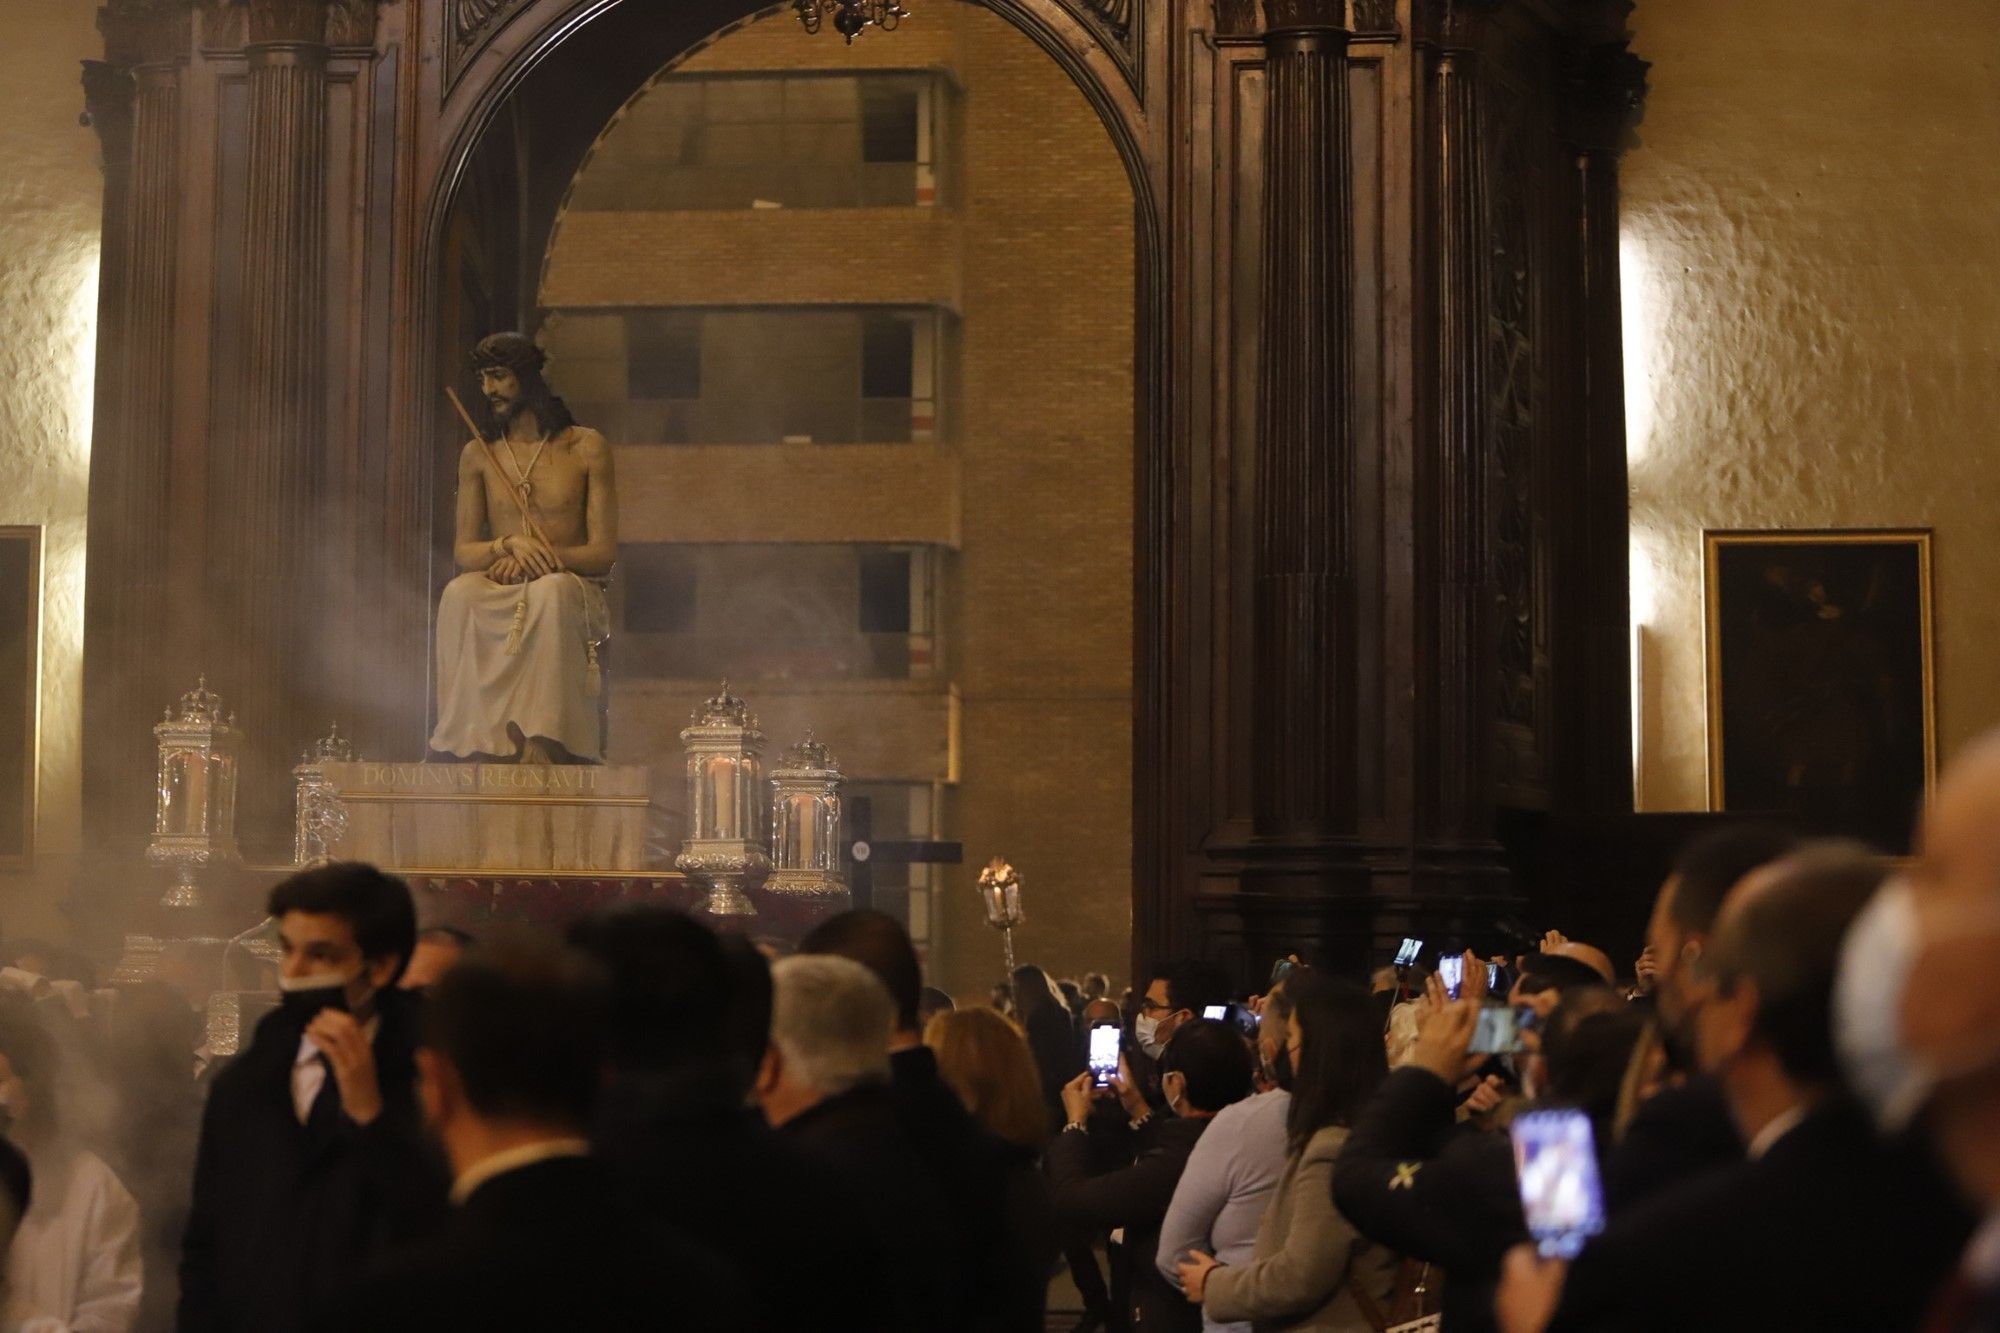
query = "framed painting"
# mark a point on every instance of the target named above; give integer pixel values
(1820, 682)
(20, 688)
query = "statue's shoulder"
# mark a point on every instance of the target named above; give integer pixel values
(588, 443)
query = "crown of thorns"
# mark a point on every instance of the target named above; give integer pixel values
(508, 351)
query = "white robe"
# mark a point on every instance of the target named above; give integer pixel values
(75, 1265)
(543, 689)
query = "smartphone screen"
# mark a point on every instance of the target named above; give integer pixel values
(1281, 969)
(1215, 1011)
(1497, 1032)
(1451, 968)
(1555, 1162)
(1407, 954)
(1103, 1054)
(1493, 978)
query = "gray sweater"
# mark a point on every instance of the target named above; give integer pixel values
(1307, 1259)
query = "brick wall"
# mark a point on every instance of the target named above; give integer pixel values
(1036, 251)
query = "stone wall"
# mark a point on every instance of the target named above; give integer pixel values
(50, 193)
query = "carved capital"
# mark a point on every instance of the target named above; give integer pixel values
(1450, 25)
(1605, 88)
(140, 32)
(1288, 16)
(289, 22)
(107, 107)
(1236, 18)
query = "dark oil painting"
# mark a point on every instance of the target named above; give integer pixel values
(1819, 678)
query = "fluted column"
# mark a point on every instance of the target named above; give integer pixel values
(1458, 808)
(134, 100)
(261, 490)
(1303, 594)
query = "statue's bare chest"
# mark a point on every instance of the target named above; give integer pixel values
(551, 478)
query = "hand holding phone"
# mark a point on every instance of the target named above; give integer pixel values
(1451, 968)
(1103, 1054)
(1555, 1164)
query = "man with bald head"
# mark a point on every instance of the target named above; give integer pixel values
(1822, 1225)
(1933, 1051)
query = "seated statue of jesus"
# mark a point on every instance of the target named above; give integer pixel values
(537, 533)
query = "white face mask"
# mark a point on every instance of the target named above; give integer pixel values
(1147, 1029)
(1877, 961)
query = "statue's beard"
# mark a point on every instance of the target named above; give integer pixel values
(506, 409)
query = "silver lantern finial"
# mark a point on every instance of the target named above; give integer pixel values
(319, 818)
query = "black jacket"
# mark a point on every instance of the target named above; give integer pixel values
(545, 1246)
(1411, 1179)
(1831, 1229)
(1135, 1197)
(688, 1152)
(285, 1215)
(888, 1188)
(1676, 1135)
(1002, 1233)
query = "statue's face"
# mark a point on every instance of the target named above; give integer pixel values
(502, 389)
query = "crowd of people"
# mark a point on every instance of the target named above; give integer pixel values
(1788, 1117)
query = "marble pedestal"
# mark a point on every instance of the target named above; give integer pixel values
(421, 819)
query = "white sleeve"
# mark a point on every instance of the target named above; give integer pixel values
(107, 1297)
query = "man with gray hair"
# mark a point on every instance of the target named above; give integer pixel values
(824, 1085)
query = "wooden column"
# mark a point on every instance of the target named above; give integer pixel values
(1303, 791)
(1605, 89)
(1454, 516)
(261, 538)
(134, 100)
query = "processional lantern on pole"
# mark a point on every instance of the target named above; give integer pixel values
(194, 817)
(725, 804)
(1000, 895)
(805, 823)
(319, 819)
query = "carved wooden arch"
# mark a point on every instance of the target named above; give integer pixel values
(523, 34)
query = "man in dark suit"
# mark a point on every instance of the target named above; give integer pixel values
(1205, 1067)
(540, 1237)
(1002, 1238)
(825, 1086)
(311, 1158)
(690, 1020)
(1685, 1129)
(1823, 1226)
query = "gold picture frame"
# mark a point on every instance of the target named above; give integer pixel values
(20, 691)
(1819, 656)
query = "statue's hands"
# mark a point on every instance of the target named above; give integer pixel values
(533, 557)
(506, 569)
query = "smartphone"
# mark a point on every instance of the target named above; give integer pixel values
(1281, 969)
(1451, 970)
(1407, 954)
(1498, 1031)
(1555, 1163)
(1103, 1054)
(1220, 1011)
(1493, 978)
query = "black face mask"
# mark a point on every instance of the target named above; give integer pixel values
(305, 1005)
(1282, 1073)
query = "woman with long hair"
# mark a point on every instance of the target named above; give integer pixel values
(1310, 1270)
(984, 1058)
(1045, 1016)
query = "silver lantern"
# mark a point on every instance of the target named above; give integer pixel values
(194, 820)
(319, 819)
(725, 804)
(1000, 896)
(805, 823)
